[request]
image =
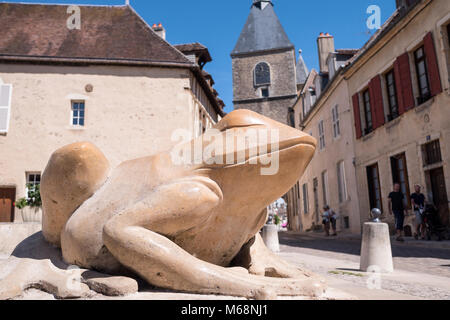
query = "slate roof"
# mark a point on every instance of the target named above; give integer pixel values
(108, 33)
(262, 31)
(301, 70)
(196, 49)
(38, 33)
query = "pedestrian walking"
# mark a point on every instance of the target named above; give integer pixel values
(329, 219)
(397, 208)
(418, 204)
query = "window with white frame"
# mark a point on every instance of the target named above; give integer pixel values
(336, 122)
(33, 178)
(305, 199)
(5, 106)
(78, 113)
(321, 135)
(342, 185)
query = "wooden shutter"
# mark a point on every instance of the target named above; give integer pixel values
(357, 114)
(432, 64)
(403, 83)
(376, 103)
(5, 106)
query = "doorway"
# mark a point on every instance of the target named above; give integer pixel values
(439, 190)
(7, 198)
(316, 199)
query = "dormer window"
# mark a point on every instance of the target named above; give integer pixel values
(262, 74)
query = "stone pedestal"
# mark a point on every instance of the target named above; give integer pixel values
(270, 237)
(376, 252)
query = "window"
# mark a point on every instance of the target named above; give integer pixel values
(325, 188)
(448, 34)
(78, 110)
(316, 199)
(5, 106)
(367, 112)
(373, 181)
(33, 178)
(305, 199)
(400, 175)
(321, 135)
(422, 75)
(432, 153)
(265, 92)
(342, 185)
(262, 74)
(392, 96)
(336, 122)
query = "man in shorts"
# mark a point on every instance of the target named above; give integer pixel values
(418, 204)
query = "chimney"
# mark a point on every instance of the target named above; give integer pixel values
(160, 31)
(325, 45)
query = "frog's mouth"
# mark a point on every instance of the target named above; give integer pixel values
(304, 141)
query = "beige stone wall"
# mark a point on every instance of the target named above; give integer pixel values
(132, 112)
(336, 150)
(417, 126)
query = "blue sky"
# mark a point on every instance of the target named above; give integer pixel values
(218, 23)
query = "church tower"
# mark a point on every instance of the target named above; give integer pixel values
(264, 75)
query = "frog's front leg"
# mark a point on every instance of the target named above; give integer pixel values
(140, 239)
(260, 260)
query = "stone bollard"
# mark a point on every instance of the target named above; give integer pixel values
(270, 237)
(376, 252)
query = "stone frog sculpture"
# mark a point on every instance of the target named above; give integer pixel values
(185, 227)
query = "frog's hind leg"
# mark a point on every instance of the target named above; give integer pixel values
(72, 176)
(140, 239)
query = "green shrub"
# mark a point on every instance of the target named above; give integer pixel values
(33, 199)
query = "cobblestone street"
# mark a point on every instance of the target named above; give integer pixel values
(422, 269)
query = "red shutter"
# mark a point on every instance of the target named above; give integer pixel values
(357, 114)
(373, 110)
(432, 64)
(403, 83)
(376, 101)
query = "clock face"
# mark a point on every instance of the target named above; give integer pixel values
(262, 74)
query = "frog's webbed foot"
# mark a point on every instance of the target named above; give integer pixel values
(259, 260)
(18, 275)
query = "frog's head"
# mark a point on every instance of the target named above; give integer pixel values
(253, 159)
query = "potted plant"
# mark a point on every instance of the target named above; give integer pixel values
(30, 207)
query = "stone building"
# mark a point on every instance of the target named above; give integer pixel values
(399, 88)
(111, 79)
(264, 72)
(263, 60)
(381, 115)
(323, 111)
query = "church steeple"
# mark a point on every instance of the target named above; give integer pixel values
(262, 31)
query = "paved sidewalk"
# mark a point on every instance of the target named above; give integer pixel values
(409, 241)
(421, 272)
